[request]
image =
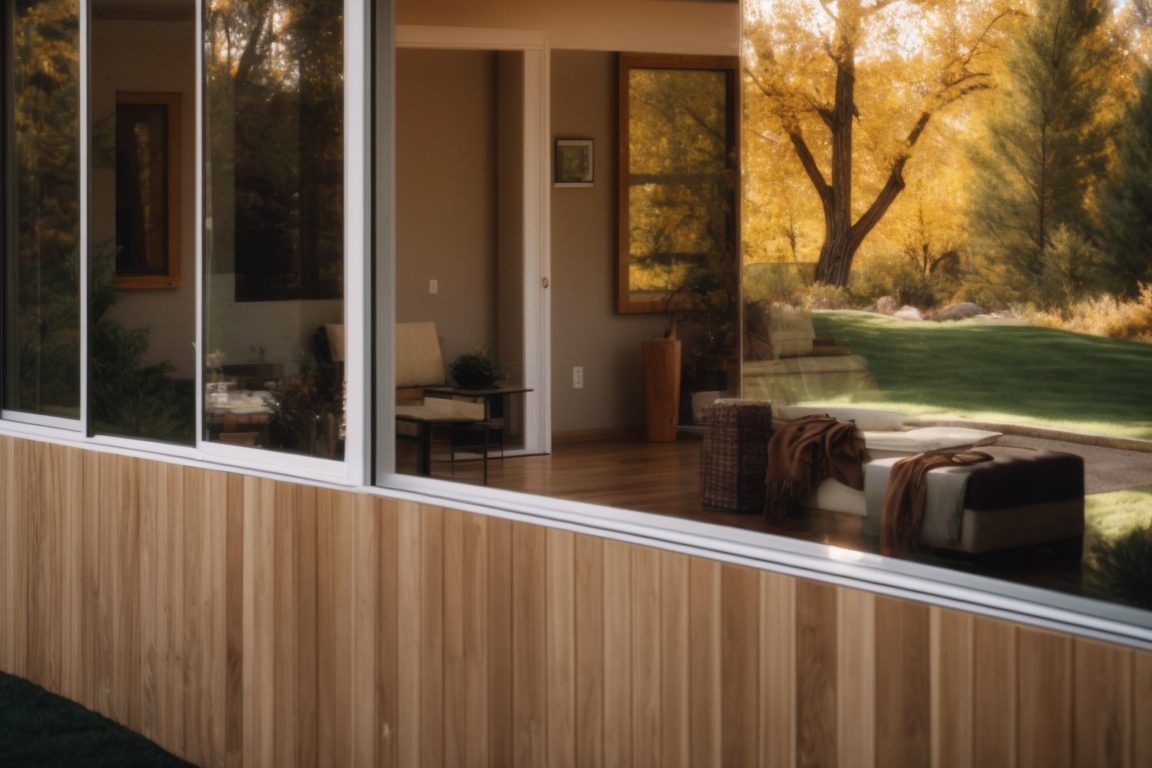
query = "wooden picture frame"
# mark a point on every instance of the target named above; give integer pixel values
(147, 190)
(574, 163)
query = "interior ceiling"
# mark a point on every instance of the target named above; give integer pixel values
(161, 10)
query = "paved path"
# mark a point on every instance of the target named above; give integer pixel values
(1105, 469)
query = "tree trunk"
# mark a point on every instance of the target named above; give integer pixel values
(837, 251)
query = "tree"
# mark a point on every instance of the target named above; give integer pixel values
(886, 67)
(1126, 201)
(1043, 151)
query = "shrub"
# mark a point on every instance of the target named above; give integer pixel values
(1122, 568)
(1104, 316)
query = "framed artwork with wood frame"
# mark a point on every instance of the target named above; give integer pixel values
(679, 195)
(147, 190)
(574, 163)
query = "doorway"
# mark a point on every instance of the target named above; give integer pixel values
(472, 245)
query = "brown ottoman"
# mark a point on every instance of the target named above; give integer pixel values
(1021, 497)
(734, 456)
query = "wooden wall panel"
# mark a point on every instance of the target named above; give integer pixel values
(952, 689)
(243, 621)
(903, 694)
(816, 692)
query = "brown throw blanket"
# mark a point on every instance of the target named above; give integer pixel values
(805, 451)
(906, 495)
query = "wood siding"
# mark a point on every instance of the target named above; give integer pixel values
(243, 621)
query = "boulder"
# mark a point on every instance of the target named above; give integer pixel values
(960, 311)
(908, 313)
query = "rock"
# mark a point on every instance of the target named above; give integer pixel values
(908, 313)
(961, 311)
(885, 305)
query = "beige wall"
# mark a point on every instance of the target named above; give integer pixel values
(655, 26)
(586, 330)
(155, 57)
(446, 194)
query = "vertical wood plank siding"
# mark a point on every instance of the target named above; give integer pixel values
(243, 621)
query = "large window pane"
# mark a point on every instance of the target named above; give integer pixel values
(274, 224)
(141, 209)
(42, 209)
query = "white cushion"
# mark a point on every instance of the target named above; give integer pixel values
(834, 496)
(923, 439)
(443, 408)
(867, 419)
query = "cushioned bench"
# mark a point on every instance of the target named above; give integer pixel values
(1020, 497)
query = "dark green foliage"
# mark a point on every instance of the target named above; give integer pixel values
(41, 730)
(1121, 568)
(125, 396)
(477, 370)
(1044, 154)
(306, 411)
(43, 88)
(1126, 202)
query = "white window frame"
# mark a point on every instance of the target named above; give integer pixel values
(351, 470)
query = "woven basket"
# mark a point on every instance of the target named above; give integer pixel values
(734, 456)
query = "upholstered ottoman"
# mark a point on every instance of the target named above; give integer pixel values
(734, 455)
(1020, 497)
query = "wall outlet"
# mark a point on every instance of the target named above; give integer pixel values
(577, 377)
(433, 286)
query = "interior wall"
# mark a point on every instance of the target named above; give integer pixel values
(586, 329)
(446, 193)
(149, 57)
(652, 26)
(238, 620)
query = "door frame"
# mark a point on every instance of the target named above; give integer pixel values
(537, 209)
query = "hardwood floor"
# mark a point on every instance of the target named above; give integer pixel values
(664, 478)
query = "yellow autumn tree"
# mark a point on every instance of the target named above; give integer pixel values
(848, 91)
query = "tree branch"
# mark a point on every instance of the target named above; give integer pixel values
(804, 155)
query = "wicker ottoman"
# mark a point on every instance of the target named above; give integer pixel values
(734, 456)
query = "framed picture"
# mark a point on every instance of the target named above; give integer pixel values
(574, 164)
(147, 190)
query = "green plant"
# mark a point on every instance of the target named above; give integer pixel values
(476, 370)
(126, 396)
(305, 411)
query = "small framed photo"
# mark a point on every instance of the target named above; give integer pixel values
(574, 164)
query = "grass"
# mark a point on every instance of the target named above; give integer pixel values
(1118, 546)
(1002, 372)
(41, 730)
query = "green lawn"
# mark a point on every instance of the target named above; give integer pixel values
(1001, 371)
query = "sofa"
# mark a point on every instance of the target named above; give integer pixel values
(785, 362)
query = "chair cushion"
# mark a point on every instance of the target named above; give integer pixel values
(419, 362)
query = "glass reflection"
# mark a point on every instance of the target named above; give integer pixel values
(43, 208)
(274, 224)
(680, 183)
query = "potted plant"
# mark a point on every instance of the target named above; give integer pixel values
(477, 370)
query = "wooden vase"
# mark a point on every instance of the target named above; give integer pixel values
(661, 359)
